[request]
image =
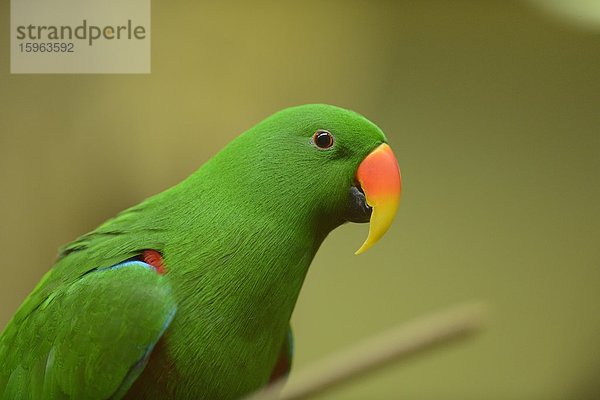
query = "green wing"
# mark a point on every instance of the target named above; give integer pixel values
(89, 339)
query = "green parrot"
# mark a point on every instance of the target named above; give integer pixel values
(189, 294)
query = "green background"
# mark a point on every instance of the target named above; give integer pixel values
(492, 108)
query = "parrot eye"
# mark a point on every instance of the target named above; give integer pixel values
(322, 139)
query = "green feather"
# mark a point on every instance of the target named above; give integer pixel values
(86, 338)
(237, 239)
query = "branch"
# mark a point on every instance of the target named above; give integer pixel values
(393, 346)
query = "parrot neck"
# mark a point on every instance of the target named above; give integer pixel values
(238, 266)
(254, 264)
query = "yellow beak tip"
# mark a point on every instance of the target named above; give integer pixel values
(363, 248)
(359, 251)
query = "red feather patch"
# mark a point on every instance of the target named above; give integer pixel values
(153, 258)
(282, 367)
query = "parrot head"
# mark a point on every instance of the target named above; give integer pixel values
(326, 162)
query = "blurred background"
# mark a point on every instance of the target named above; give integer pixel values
(492, 108)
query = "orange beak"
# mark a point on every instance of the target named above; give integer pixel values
(379, 177)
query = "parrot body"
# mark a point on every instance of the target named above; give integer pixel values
(189, 294)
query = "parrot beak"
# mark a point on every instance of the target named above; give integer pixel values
(379, 177)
